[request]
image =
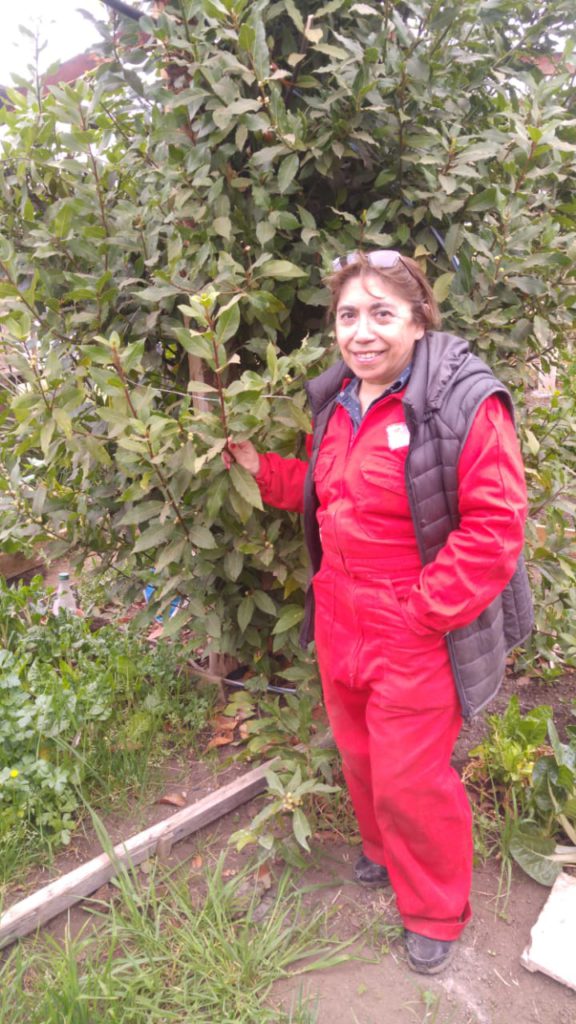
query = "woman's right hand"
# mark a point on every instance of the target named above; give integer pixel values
(244, 453)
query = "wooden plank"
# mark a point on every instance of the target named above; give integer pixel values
(16, 565)
(46, 903)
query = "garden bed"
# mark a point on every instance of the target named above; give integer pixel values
(485, 980)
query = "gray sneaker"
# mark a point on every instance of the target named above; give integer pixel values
(368, 873)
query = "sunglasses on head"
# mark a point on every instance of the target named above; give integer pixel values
(381, 259)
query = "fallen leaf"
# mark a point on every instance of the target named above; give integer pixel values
(196, 863)
(244, 731)
(224, 723)
(219, 741)
(264, 877)
(178, 798)
(156, 632)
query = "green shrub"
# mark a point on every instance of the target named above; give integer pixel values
(80, 714)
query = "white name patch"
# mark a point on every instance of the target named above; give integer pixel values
(398, 435)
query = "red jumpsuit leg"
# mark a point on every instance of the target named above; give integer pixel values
(392, 704)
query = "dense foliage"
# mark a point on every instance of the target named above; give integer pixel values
(165, 224)
(80, 715)
(528, 776)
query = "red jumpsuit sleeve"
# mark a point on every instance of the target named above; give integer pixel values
(480, 556)
(281, 480)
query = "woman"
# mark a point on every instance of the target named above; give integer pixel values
(414, 507)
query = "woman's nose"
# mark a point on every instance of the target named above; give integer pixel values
(364, 327)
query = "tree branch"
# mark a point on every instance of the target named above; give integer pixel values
(125, 9)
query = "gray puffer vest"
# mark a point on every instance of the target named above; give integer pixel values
(446, 387)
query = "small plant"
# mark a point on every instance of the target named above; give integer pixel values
(553, 813)
(288, 793)
(508, 754)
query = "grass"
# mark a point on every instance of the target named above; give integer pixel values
(155, 955)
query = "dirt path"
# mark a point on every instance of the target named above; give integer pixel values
(485, 984)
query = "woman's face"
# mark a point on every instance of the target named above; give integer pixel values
(375, 331)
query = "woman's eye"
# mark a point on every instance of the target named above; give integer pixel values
(383, 314)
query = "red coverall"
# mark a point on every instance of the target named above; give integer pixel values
(381, 620)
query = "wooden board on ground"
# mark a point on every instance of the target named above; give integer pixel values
(46, 903)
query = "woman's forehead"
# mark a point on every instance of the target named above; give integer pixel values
(366, 289)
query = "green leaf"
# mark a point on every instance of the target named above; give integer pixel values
(301, 828)
(202, 537)
(153, 537)
(141, 513)
(195, 343)
(246, 37)
(245, 613)
(533, 852)
(441, 287)
(287, 172)
(264, 602)
(223, 226)
(233, 564)
(242, 106)
(199, 387)
(265, 232)
(245, 484)
(532, 442)
(171, 554)
(485, 200)
(64, 421)
(6, 249)
(281, 270)
(272, 362)
(228, 323)
(528, 285)
(293, 12)
(291, 615)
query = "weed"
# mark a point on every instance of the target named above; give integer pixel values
(156, 956)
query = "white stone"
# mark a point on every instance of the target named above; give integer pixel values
(552, 948)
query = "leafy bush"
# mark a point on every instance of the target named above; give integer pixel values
(508, 754)
(162, 246)
(79, 713)
(527, 772)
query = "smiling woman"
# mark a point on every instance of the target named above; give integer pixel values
(414, 506)
(375, 333)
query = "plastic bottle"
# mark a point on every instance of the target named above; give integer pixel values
(64, 597)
